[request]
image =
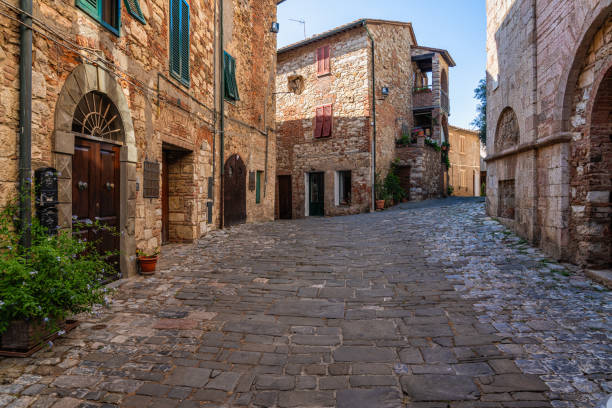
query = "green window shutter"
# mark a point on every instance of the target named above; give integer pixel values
(133, 7)
(258, 188)
(174, 40)
(90, 7)
(229, 75)
(185, 41)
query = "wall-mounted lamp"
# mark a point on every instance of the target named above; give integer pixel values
(385, 91)
(275, 28)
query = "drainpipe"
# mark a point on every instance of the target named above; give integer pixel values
(25, 124)
(373, 198)
(222, 115)
(534, 5)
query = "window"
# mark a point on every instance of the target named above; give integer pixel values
(323, 67)
(179, 40)
(229, 76)
(133, 7)
(258, 187)
(343, 188)
(462, 144)
(323, 121)
(462, 183)
(106, 12)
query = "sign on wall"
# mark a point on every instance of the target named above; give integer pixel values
(151, 180)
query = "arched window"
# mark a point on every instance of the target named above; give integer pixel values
(97, 116)
(507, 132)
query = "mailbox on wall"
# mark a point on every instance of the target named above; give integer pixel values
(46, 198)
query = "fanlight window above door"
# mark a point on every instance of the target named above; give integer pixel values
(97, 116)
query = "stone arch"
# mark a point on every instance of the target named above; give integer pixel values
(564, 101)
(507, 132)
(444, 81)
(591, 222)
(83, 80)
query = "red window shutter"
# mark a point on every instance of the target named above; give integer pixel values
(326, 59)
(327, 122)
(319, 122)
(320, 60)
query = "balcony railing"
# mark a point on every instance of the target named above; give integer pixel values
(444, 101)
(422, 97)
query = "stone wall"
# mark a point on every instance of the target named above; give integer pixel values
(426, 170)
(464, 173)
(162, 112)
(551, 96)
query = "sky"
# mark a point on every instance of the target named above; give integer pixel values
(458, 26)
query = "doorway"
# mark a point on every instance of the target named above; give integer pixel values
(234, 191)
(316, 196)
(403, 172)
(285, 203)
(95, 195)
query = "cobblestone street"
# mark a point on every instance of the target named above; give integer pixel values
(426, 305)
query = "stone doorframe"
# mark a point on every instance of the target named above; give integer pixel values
(82, 80)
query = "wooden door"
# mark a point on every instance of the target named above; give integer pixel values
(317, 194)
(234, 191)
(165, 199)
(284, 198)
(95, 195)
(403, 172)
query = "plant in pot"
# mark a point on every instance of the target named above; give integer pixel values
(379, 188)
(58, 275)
(148, 261)
(393, 186)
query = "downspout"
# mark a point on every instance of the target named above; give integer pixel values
(221, 115)
(25, 124)
(373, 198)
(214, 141)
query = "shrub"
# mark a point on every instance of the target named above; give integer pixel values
(56, 276)
(393, 187)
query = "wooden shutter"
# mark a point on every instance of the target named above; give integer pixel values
(258, 188)
(133, 7)
(185, 41)
(90, 7)
(229, 75)
(326, 68)
(327, 121)
(323, 55)
(319, 122)
(175, 42)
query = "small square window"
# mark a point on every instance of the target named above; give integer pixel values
(343, 188)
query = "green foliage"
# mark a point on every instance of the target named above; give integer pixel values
(58, 275)
(379, 187)
(393, 187)
(445, 159)
(450, 190)
(432, 143)
(148, 254)
(483, 190)
(480, 93)
(405, 140)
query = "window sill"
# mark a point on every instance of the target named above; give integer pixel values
(178, 79)
(110, 28)
(324, 74)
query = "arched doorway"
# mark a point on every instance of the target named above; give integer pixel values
(234, 191)
(597, 248)
(94, 151)
(96, 184)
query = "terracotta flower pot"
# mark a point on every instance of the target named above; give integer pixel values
(380, 204)
(147, 264)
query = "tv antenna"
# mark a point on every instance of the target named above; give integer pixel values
(302, 22)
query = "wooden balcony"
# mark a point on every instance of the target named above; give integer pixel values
(422, 98)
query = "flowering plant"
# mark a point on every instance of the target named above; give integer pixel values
(56, 276)
(148, 254)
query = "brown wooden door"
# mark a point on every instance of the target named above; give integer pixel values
(284, 198)
(95, 194)
(165, 199)
(403, 172)
(234, 191)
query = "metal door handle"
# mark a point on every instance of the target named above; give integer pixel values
(110, 186)
(82, 185)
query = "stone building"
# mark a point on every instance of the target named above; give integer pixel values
(464, 157)
(348, 101)
(549, 165)
(127, 102)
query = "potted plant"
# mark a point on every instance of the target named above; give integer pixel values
(393, 186)
(380, 192)
(42, 284)
(148, 261)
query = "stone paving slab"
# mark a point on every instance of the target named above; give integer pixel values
(429, 304)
